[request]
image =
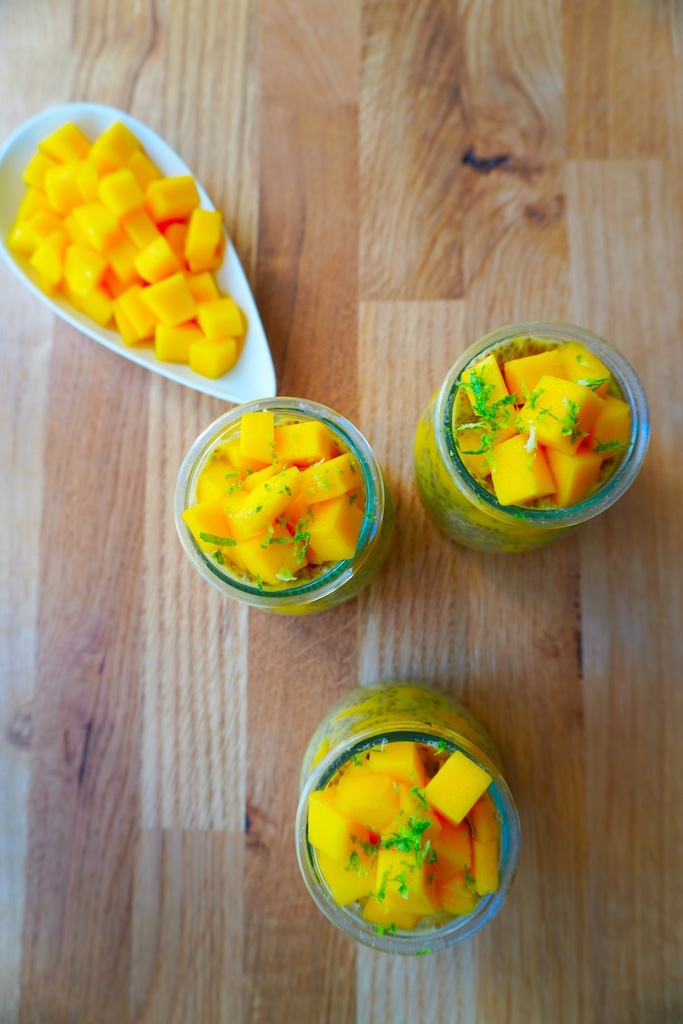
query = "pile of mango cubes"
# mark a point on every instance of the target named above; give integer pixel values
(543, 426)
(401, 845)
(101, 225)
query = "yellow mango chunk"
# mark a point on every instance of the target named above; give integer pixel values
(303, 443)
(113, 148)
(334, 529)
(580, 365)
(140, 316)
(34, 173)
(99, 226)
(453, 846)
(48, 259)
(120, 193)
(27, 235)
(349, 882)
(520, 475)
(213, 358)
(377, 912)
(209, 525)
(203, 239)
(253, 480)
(88, 181)
(98, 305)
(522, 375)
(65, 144)
(483, 820)
(475, 443)
(111, 282)
(157, 261)
(140, 228)
(330, 479)
(456, 787)
(457, 895)
(408, 887)
(414, 813)
(257, 435)
(170, 301)
(171, 198)
(272, 562)
(574, 475)
(33, 202)
(369, 799)
(61, 187)
(125, 328)
(175, 234)
(83, 268)
(217, 477)
(266, 502)
(220, 318)
(121, 258)
(142, 169)
(202, 286)
(560, 413)
(484, 385)
(485, 866)
(76, 233)
(239, 461)
(172, 344)
(399, 759)
(331, 832)
(611, 432)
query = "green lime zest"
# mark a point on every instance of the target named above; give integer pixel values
(221, 542)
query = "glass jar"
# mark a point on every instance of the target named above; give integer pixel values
(392, 711)
(332, 585)
(469, 513)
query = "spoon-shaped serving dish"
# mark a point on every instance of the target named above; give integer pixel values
(253, 376)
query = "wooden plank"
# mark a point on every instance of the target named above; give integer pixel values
(187, 931)
(632, 597)
(83, 787)
(434, 988)
(625, 91)
(410, 149)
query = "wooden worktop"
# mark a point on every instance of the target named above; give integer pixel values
(398, 178)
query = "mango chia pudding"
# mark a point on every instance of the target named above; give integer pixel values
(407, 836)
(281, 504)
(537, 428)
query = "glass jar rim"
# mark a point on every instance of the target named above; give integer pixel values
(605, 496)
(455, 929)
(326, 583)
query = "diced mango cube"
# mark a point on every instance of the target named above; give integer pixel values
(98, 305)
(113, 148)
(574, 475)
(220, 318)
(99, 225)
(349, 882)
(457, 895)
(75, 232)
(83, 268)
(171, 198)
(266, 502)
(520, 474)
(142, 169)
(170, 301)
(124, 326)
(335, 528)
(175, 234)
(172, 344)
(122, 256)
(34, 201)
(217, 477)
(239, 461)
(203, 239)
(61, 187)
(483, 820)
(272, 562)
(611, 432)
(485, 866)
(582, 366)
(140, 316)
(213, 358)
(202, 286)
(484, 385)
(377, 912)
(257, 435)
(399, 759)
(453, 846)
(408, 886)
(27, 235)
(522, 375)
(330, 479)
(88, 180)
(369, 799)
(331, 832)
(157, 261)
(209, 525)
(475, 444)
(457, 786)
(120, 193)
(561, 413)
(66, 143)
(34, 173)
(140, 228)
(252, 480)
(303, 443)
(48, 259)
(111, 282)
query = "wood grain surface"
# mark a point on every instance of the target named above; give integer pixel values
(398, 177)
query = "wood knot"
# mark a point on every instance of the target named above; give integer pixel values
(484, 164)
(20, 730)
(548, 646)
(546, 211)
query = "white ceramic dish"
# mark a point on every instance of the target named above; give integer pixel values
(253, 376)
